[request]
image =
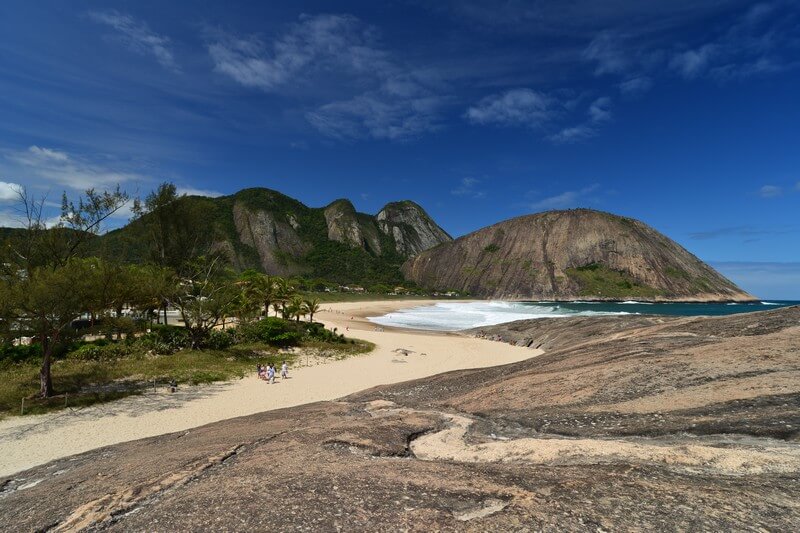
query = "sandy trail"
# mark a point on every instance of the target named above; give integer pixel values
(29, 441)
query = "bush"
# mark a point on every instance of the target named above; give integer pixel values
(19, 354)
(98, 352)
(218, 340)
(166, 339)
(273, 331)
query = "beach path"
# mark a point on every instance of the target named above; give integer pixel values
(33, 440)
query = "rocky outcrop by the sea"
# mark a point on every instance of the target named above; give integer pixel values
(625, 423)
(570, 255)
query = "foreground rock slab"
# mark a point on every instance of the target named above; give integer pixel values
(626, 423)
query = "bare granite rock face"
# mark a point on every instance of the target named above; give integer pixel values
(411, 227)
(274, 240)
(569, 255)
(626, 423)
(342, 223)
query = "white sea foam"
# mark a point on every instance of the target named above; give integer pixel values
(769, 303)
(452, 316)
(635, 302)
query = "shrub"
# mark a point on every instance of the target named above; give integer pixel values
(164, 340)
(218, 340)
(19, 354)
(96, 352)
(271, 330)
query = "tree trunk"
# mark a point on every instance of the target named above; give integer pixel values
(45, 378)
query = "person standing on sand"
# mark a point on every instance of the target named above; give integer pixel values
(284, 371)
(271, 374)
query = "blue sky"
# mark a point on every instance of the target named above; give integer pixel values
(681, 113)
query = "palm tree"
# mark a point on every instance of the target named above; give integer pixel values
(265, 286)
(296, 307)
(311, 307)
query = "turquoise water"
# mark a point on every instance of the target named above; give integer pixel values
(672, 309)
(454, 316)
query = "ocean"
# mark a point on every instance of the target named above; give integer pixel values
(455, 316)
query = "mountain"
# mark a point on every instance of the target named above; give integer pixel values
(569, 255)
(269, 231)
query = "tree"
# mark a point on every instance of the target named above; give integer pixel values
(296, 308)
(43, 264)
(311, 307)
(51, 299)
(176, 227)
(205, 297)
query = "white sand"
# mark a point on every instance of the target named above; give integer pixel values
(29, 441)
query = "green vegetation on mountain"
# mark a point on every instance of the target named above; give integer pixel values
(599, 280)
(268, 231)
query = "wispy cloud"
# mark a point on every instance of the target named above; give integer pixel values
(469, 187)
(191, 191)
(567, 198)
(755, 44)
(392, 101)
(516, 107)
(745, 233)
(599, 112)
(379, 115)
(636, 86)
(137, 36)
(607, 52)
(770, 191)
(47, 167)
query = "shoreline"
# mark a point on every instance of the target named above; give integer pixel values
(33, 440)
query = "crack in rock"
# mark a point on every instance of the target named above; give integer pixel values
(113, 506)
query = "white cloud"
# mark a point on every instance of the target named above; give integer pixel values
(9, 191)
(137, 36)
(387, 100)
(607, 52)
(770, 191)
(316, 42)
(566, 199)
(636, 86)
(48, 167)
(191, 191)
(468, 187)
(10, 220)
(520, 107)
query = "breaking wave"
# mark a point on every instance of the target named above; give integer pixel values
(452, 316)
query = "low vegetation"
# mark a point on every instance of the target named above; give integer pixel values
(85, 373)
(600, 281)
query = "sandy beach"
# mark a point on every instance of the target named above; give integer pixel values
(33, 440)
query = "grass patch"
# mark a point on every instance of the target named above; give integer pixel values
(491, 248)
(599, 280)
(677, 273)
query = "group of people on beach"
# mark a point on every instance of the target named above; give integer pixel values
(267, 373)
